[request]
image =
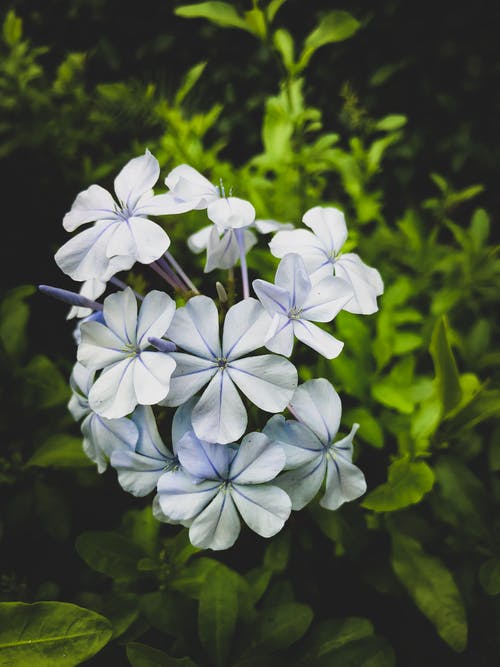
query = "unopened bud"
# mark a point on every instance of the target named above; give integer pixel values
(221, 292)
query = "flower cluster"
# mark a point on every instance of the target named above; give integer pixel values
(209, 364)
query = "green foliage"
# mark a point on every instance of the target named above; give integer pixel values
(407, 484)
(217, 615)
(54, 634)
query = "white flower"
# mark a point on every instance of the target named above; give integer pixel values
(222, 483)
(267, 380)
(100, 435)
(320, 250)
(132, 374)
(311, 451)
(190, 189)
(91, 289)
(122, 233)
(294, 303)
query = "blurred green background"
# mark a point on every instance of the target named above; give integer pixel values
(389, 112)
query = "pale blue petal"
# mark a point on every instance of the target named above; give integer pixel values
(264, 508)
(220, 416)
(149, 441)
(344, 482)
(245, 328)
(319, 340)
(303, 483)
(257, 460)
(222, 251)
(155, 316)
(204, 460)
(326, 299)
(138, 474)
(317, 405)
(137, 177)
(195, 328)
(328, 224)
(298, 442)
(365, 281)
(94, 203)
(280, 337)
(292, 276)
(120, 315)
(300, 241)
(274, 299)
(158, 513)
(99, 346)
(103, 436)
(218, 526)
(268, 380)
(181, 499)
(181, 423)
(152, 372)
(91, 289)
(113, 395)
(190, 375)
(344, 446)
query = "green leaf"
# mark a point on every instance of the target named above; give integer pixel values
(49, 634)
(256, 22)
(14, 315)
(366, 652)
(12, 28)
(217, 615)
(479, 228)
(336, 26)
(407, 484)
(445, 367)
(60, 451)
(489, 576)
(370, 430)
(189, 81)
(277, 129)
(221, 13)
(141, 655)
(331, 635)
(391, 123)
(283, 42)
(43, 385)
(272, 9)
(432, 588)
(278, 552)
(279, 627)
(109, 553)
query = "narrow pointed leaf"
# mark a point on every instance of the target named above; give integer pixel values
(217, 615)
(445, 366)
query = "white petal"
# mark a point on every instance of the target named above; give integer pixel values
(245, 328)
(190, 375)
(181, 423)
(149, 442)
(280, 337)
(138, 474)
(293, 277)
(189, 185)
(84, 256)
(155, 316)
(319, 340)
(267, 380)
(204, 460)
(195, 328)
(257, 460)
(158, 513)
(91, 289)
(222, 252)
(326, 299)
(120, 315)
(231, 213)
(303, 483)
(328, 224)
(275, 299)
(139, 238)
(182, 499)
(137, 177)
(80, 381)
(218, 526)
(303, 242)
(164, 204)
(365, 281)
(264, 508)
(298, 442)
(268, 226)
(99, 346)
(219, 416)
(95, 203)
(317, 405)
(344, 482)
(198, 241)
(152, 372)
(105, 435)
(113, 394)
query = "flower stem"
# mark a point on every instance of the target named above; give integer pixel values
(122, 285)
(161, 272)
(239, 233)
(177, 267)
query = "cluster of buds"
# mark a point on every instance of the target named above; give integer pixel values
(141, 356)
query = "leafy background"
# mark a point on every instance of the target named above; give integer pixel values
(389, 113)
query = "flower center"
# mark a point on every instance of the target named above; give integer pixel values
(132, 349)
(294, 313)
(222, 363)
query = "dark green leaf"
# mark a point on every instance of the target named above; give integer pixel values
(278, 552)
(140, 655)
(60, 451)
(489, 576)
(14, 312)
(110, 553)
(445, 367)
(279, 627)
(432, 588)
(49, 634)
(407, 483)
(331, 635)
(43, 384)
